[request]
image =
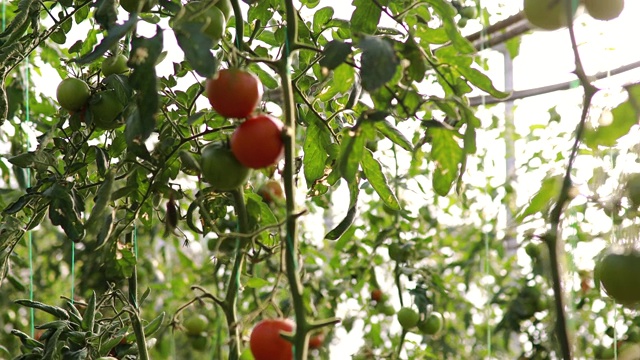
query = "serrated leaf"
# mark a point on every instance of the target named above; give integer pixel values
(482, 81)
(373, 170)
(392, 133)
(352, 148)
(447, 156)
(335, 53)
(379, 62)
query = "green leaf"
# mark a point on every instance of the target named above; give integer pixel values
(624, 117)
(365, 17)
(335, 53)
(344, 225)
(63, 212)
(321, 18)
(482, 81)
(379, 62)
(351, 149)
(447, 12)
(101, 201)
(392, 133)
(373, 170)
(316, 143)
(113, 37)
(256, 283)
(417, 62)
(144, 55)
(88, 319)
(196, 46)
(447, 155)
(549, 190)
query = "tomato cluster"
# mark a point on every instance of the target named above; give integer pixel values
(257, 141)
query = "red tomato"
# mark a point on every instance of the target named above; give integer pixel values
(257, 142)
(316, 341)
(376, 295)
(234, 93)
(267, 344)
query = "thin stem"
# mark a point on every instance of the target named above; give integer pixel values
(231, 299)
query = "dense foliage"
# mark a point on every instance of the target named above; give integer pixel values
(129, 228)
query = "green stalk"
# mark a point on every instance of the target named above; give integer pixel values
(291, 239)
(231, 300)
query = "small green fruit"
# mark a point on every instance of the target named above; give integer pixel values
(408, 318)
(72, 94)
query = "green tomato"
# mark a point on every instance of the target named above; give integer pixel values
(212, 19)
(388, 310)
(604, 9)
(432, 325)
(546, 14)
(106, 110)
(198, 343)
(632, 189)
(72, 94)
(226, 8)
(135, 5)
(114, 65)
(221, 169)
(408, 318)
(399, 253)
(195, 324)
(469, 12)
(616, 271)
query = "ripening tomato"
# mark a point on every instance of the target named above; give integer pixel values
(376, 295)
(316, 341)
(234, 93)
(257, 142)
(267, 344)
(271, 191)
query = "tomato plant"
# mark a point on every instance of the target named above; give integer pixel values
(116, 64)
(267, 344)
(234, 93)
(72, 94)
(408, 318)
(106, 110)
(257, 142)
(604, 9)
(616, 273)
(221, 169)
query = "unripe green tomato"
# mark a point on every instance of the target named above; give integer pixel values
(211, 18)
(106, 110)
(432, 325)
(462, 22)
(604, 9)
(221, 169)
(198, 342)
(114, 65)
(72, 94)
(469, 12)
(408, 318)
(546, 14)
(388, 310)
(226, 8)
(196, 324)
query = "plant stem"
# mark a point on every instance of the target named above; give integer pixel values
(231, 299)
(291, 241)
